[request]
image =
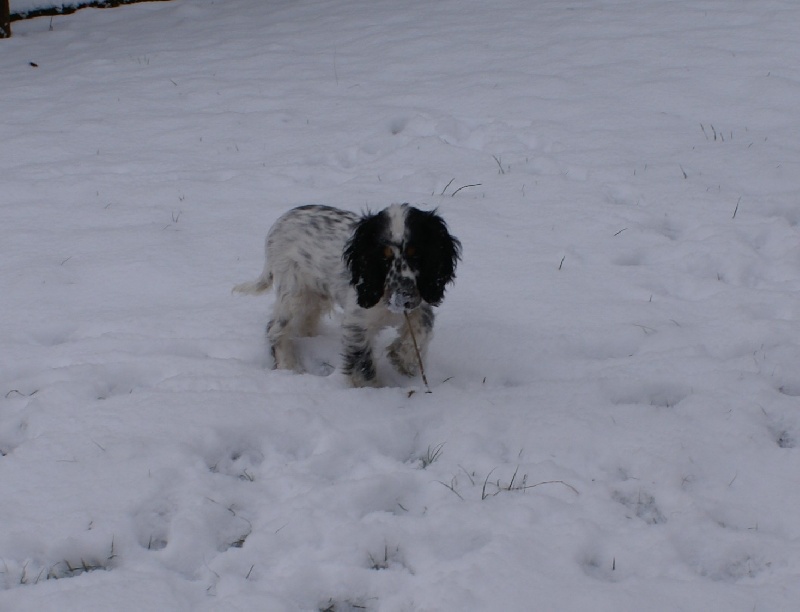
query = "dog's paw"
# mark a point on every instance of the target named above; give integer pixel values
(359, 382)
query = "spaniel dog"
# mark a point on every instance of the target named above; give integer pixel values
(380, 268)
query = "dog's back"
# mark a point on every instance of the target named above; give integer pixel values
(293, 246)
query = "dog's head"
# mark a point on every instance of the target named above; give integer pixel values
(401, 255)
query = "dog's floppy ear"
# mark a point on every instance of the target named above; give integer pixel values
(363, 255)
(436, 253)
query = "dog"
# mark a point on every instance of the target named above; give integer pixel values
(381, 268)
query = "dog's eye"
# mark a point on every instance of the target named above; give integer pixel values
(411, 251)
(388, 253)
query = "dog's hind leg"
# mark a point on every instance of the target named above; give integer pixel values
(311, 307)
(280, 331)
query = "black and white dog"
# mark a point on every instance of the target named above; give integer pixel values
(376, 267)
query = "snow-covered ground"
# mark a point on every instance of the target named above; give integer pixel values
(24, 8)
(615, 416)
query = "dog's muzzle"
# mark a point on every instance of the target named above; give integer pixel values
(404, 298)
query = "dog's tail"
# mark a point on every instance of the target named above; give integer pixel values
(260, 285)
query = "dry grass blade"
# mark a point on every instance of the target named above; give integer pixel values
(464, 187)
(416, 350)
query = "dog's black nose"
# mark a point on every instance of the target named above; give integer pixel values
(410, 302)
(406, 298)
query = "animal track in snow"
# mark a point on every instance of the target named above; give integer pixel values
(738, 567)
(166, 524)
(599, 567)
(13, 426)
(397, 125)
(792, 389)
(659, 395)
(642, 504)
(79, 554)
(785, 440)
(152, 522)
(239, 462)
(784, 437)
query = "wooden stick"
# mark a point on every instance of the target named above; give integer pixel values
(416, 350)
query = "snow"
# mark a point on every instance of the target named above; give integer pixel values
(24, 6)
(614, 420)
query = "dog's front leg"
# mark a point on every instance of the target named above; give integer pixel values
(359, 364)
